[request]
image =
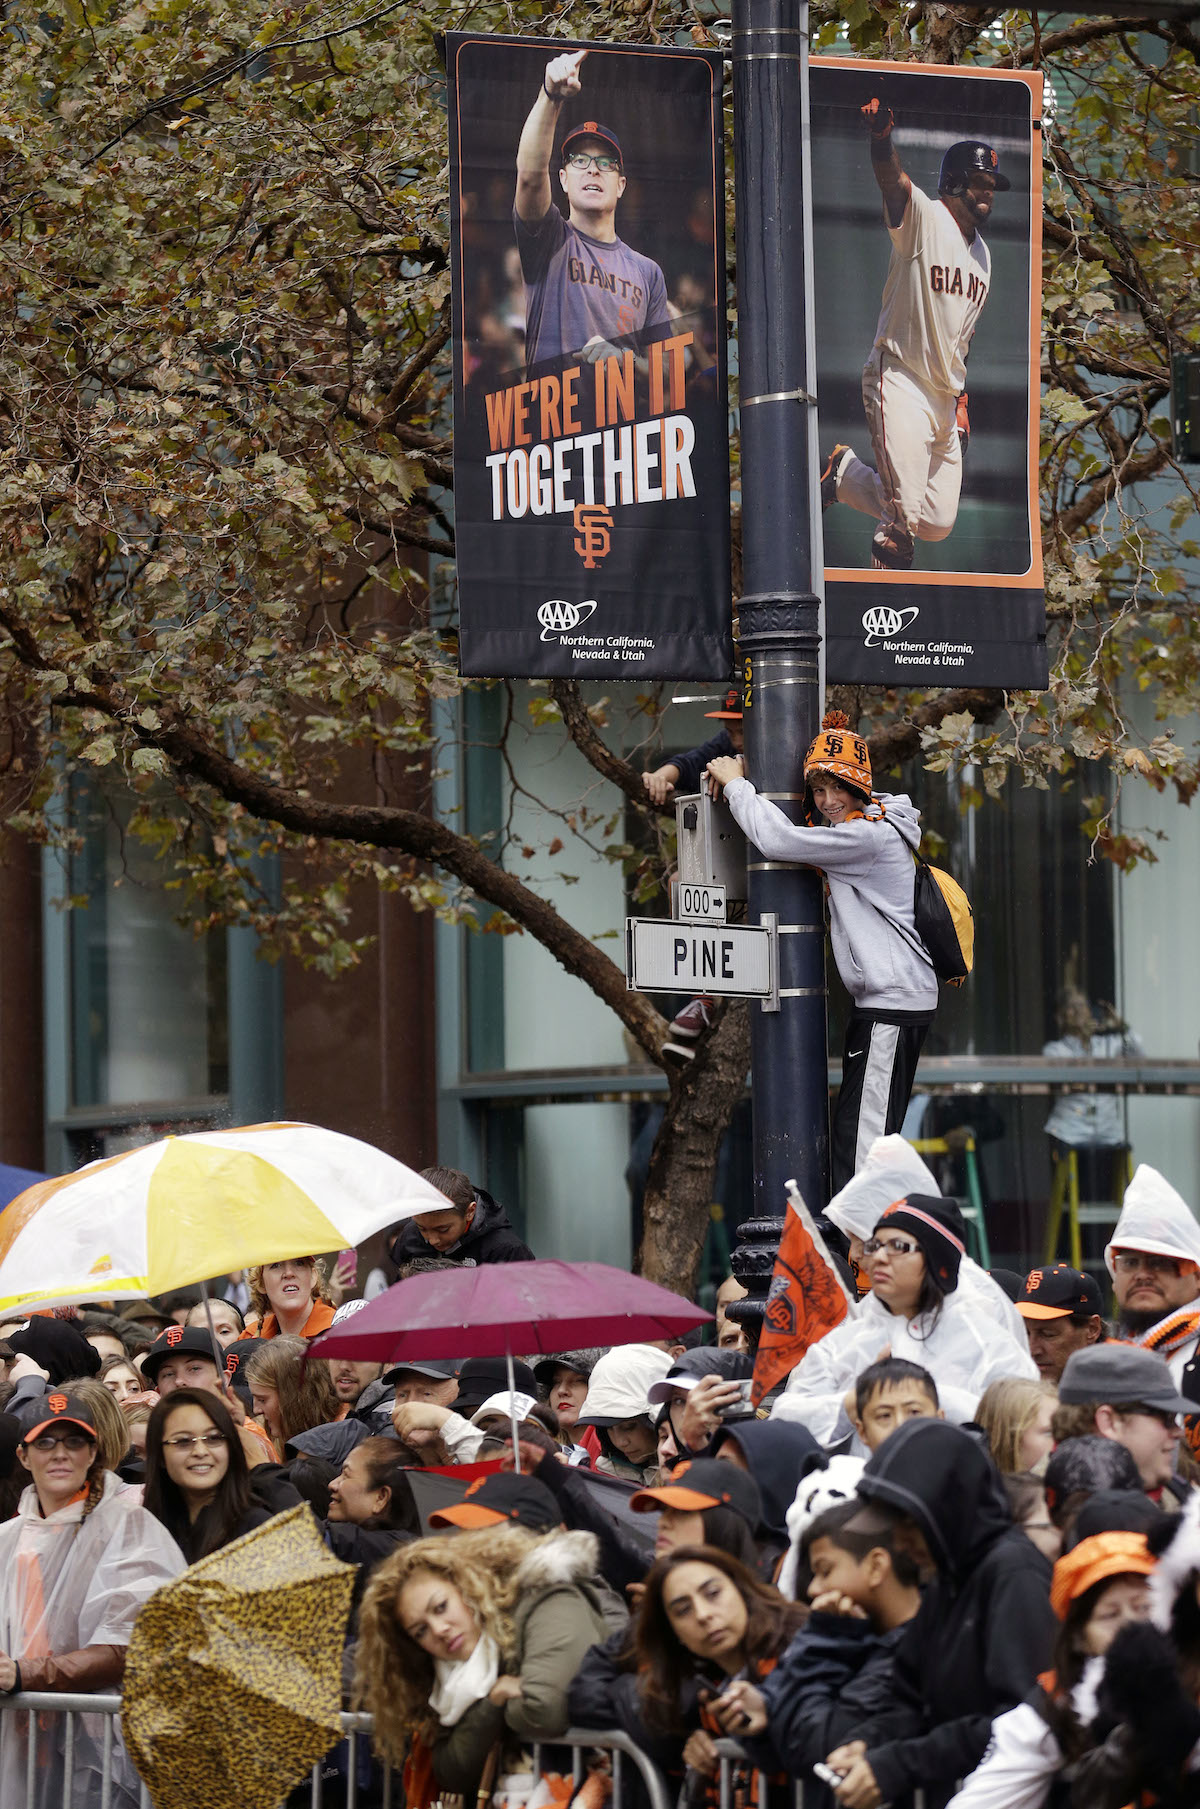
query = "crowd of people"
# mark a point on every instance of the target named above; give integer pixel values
(956, 1552)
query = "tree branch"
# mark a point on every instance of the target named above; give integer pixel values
(902, 740)
(593, 747)
(409, 832)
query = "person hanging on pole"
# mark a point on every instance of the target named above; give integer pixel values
(863, 842)
(584, 287)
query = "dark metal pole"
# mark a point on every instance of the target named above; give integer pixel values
(779, 614)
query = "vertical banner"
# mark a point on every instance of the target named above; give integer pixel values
(927, 188)
(591, 449)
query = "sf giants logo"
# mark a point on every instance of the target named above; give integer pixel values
(56, 1403)
(174, 1334)
(593, 536)
(1033, 1281)
(780, 1312)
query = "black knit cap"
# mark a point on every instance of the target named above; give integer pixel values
(937, 1225)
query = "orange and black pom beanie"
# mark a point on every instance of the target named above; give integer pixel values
(841, 754)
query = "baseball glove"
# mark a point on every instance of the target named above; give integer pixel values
(878, 117)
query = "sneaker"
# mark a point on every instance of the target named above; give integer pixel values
(831, 473)
(677, 1054)
(693, 1020)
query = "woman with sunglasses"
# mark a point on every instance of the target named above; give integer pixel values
(197, 1478)
(913, 1311)
(76, 1564)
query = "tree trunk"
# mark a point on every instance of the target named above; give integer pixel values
(679, 1185)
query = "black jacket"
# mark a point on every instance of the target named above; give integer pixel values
(489, 1239)
(623, 1559)
(984, 1629)
(779, 1454)
(690, 766)
(836, 1676)
(604, 1693)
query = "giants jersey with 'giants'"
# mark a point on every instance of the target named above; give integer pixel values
(934, 294)
(577, 288)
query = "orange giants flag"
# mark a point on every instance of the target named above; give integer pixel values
(807, 1298)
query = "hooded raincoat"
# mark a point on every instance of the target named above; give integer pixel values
(984, 1630)
(892, 1170)
(71, 1586)
(964, 1351)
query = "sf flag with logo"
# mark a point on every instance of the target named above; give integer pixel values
(806, 1299)
(591, 458)
(927, 188)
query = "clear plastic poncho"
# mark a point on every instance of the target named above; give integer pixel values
(69, 1581)
(892, 1170)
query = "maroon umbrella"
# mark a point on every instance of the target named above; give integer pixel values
(497, 1309)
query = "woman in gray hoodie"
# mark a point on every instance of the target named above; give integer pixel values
(863, 842)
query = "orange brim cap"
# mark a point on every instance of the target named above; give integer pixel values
(1040, 1312)
(59, 1419)
(468, 1515)
(1103, 1555)
(671, 1495)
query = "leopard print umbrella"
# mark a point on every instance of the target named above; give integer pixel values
(233, 1681)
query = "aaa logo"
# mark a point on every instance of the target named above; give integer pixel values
(593, 533)
(560, 617)
(882, 623)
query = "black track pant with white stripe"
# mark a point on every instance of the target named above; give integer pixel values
(879, 1060)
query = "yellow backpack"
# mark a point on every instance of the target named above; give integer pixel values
(945, 922)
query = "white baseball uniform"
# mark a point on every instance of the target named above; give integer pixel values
(936, 286)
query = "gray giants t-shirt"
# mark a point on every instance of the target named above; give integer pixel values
(577, 287)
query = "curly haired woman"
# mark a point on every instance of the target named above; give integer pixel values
(469, 1642)
(291, 1296)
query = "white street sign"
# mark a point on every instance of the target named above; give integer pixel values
(699, 904)
(667, 956)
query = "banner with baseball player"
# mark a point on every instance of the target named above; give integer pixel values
(591, 434)
(927, 231)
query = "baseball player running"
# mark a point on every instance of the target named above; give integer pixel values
(938, 279)
(584, 287)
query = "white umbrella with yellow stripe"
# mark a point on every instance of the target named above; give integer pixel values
(172, 1213)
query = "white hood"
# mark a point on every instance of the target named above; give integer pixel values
(1156, 1219)
(892, 1170)
(619, 1386)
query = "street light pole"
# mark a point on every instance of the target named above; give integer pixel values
(778, 613)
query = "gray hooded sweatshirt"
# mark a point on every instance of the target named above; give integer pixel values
(869, 870)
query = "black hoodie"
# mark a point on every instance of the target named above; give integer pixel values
(779, 1454)
(984, 1629)
(488, 1239)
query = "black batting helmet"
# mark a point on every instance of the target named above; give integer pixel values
(966, 158)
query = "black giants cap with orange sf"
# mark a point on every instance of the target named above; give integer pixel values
(1057, 1292)
(63, 1410)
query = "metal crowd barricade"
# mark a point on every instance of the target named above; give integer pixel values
(30, 1707)
(807, 1792)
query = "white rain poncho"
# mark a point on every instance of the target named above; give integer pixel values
(67, 1582)
(1154, 1218)
(964, 1352)
(892, 1170)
